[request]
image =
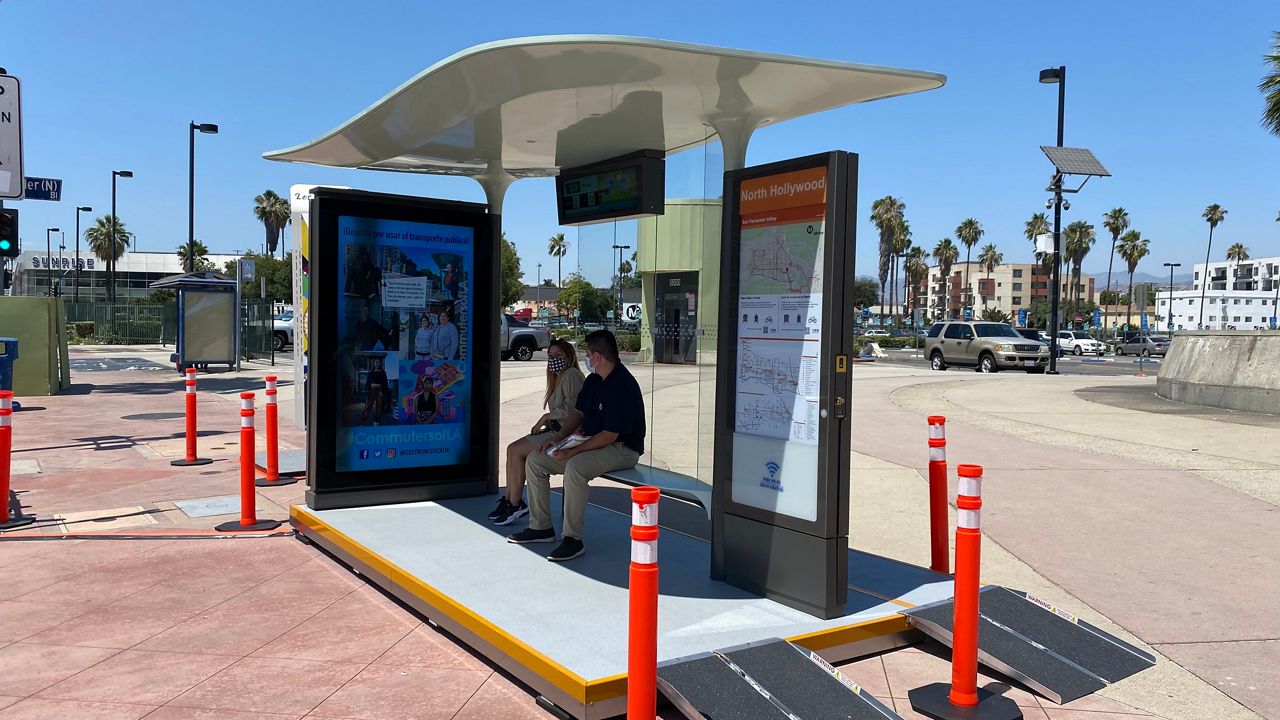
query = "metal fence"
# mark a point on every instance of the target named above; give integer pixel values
(123, 323)
(256, 324)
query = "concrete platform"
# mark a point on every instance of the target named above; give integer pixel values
(293, 463)
(562, 628)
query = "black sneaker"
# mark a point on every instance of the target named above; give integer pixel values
(569, 548)
(529, 535)
(512, 514)
(503, 507)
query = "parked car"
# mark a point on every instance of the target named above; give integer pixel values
(987, 346)
(1144, 345)
(592, 326)
(282, 330)
(876, 333)
(517, 340)
(1030, 333)
(1077, 342)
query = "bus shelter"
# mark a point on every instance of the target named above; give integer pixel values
(535, 108)
(208, 318)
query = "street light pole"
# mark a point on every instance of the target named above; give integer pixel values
(111, 249)
(209, 129)
(1056, 75)
(48, 257)
(1171, 266)
(78, 211)
(618, 320)
(537, 295)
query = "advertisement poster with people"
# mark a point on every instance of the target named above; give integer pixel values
(404, 356)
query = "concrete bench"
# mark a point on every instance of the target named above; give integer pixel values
(672, 484)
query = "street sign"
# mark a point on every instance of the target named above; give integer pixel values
(11, 176)
(1273, 322)
(43, 189)
(609, 315)
(1144, 322)
(577, 312)
(247, 270)
(866, 313)
(1097, 318)
(544, 312)
(968, 313)
(1022, 317)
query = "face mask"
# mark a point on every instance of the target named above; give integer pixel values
(590, 367)
(557, 364)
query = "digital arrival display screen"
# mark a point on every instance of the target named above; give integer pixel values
(404, 340)
(615, 192)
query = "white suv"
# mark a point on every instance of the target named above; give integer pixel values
(1079, 343)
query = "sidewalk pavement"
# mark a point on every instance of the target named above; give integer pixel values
(225, 629)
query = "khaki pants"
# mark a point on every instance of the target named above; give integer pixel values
(579, 471)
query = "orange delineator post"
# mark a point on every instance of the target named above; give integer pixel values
(248, 473)
(939, 548)
(642, 631)
(191, 458)
(6, 450)
(964, 647)
(273, 439)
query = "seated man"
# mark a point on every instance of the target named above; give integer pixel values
(610, 409)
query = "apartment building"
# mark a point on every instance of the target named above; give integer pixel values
(1238, 296)
(1008, 288)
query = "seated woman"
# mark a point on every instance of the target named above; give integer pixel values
(564, 380)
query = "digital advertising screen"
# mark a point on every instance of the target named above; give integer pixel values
(405, 344)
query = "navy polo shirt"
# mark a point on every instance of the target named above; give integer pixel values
(614, 404)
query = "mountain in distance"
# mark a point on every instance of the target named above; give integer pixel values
(1120, 279)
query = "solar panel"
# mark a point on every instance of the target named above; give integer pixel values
(1074, 161)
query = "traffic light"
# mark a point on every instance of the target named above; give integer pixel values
(8, 233)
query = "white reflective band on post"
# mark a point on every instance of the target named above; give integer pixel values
(970, 486)
(937, 454)
(971, 519)
(937, 431)
(6, 420)
(246, 403)
(271, 384)
(644, 552)
(6, 403)
(191, 387)
(644, 515)
(246, 421)
(271, 399)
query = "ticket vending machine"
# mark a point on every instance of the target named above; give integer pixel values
(403, 359)
(780, 513)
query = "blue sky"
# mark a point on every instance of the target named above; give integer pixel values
(1163, 92)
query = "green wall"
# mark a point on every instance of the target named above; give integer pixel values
(38, 324)
(685, 238)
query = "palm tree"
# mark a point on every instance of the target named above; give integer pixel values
(988, 259)
(1239, 253)
(968, 233)
(201, 262)
(1078, 240)
(916, 267)
(107, 248)
(273, 212)
(1270, 87)
(558, 247)
(886, 215)
(1116, 221)
(1214, 214)
(946, 253)
(1132, 248)
(1037, 225)
(901, 243)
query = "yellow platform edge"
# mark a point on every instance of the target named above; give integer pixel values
(585, 691)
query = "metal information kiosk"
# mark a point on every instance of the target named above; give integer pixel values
(780, 514)
(402, 392)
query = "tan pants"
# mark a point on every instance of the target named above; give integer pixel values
(578, 472)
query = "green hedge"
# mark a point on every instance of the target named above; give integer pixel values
(628, 342)
(886, 343)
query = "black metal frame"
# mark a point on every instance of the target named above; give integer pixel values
(830, 529)
(327, 487)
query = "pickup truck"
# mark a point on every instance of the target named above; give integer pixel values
(517, 340)
(282, 330)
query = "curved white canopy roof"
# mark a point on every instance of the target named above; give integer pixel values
(530, 106)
